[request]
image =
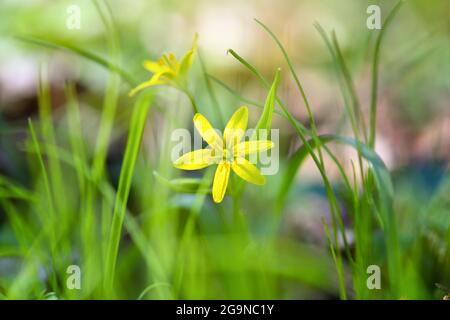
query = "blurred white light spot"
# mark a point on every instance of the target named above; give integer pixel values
(222, 28)
(18, 76)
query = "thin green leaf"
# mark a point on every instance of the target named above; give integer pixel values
(375, 63)
(59, 44)
(265, 121)
(137, 125)
(183, 185)
(382, 174)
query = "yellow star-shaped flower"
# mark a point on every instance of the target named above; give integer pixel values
(168, 70)
(228, 153)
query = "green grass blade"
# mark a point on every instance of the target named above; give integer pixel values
(265, 121)
(357, 112)
(76, 136)
(291, 68)
(210, 89)
(300, 128)
(183, 185)
(375, 64)
(301, 131)
(385, 190)
(250, 67)
(37, 148)
(59, 44)
(236, 94)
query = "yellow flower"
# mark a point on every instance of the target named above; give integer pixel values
(168, 70)
(228, 153)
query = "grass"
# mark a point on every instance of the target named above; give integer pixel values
(145, 232)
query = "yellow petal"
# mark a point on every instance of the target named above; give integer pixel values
(249, 147)
(171, 61)
(220, 181)
(207, 132)
(140, 87)
(155, 66)
(247, 171)
(236, 126)
(154, 81)
(195, 160)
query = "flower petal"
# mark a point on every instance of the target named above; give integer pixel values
(207, 132)
(247, 171)
(236, 126)
(220, 181)
(195, 160)
(249, 147)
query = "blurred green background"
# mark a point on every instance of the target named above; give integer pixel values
(181, 245)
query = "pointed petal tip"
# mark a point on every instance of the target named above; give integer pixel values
(216, 199)
(243, 108)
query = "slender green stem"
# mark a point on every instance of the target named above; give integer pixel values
(334, 209)
(188, 230)
(210, 89)
(137, 125)
(48, 192)
(375, 64)
(59, 44)
(192, 100)
(337, 261)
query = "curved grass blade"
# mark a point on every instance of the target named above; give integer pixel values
(12, 190)
(235, 93)
(183, 185)
(265, 121)
(385, 190)
(291, 68)
(46, 179)
(345, 82)
(137, 126)
(243, 99)
(375, 63)
(357, 112)
(302, 131)
(151, 287)
(210, 89)
(300, 155)
(54, 44)
(76, 136)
